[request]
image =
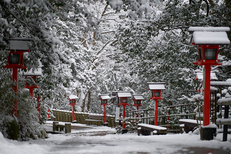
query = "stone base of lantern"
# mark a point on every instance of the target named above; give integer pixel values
(207, 133)
(105, 124)
(124, 131)
(74, 121)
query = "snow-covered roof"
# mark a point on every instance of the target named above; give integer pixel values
(210, 35)
(214, 29)
(33, 72)
(124, 94)
(73, 97)
(105, 96)
(19, 44)
(218, 38)
(156, 85)
(138, 97)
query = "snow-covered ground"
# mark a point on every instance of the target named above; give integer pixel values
(92, 140)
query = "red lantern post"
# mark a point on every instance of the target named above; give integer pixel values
(156, 88)
(33, 75)
(208, 40)
(104, 101)
(72, 100)
(137, 102)
(123, 96)
(15, 61)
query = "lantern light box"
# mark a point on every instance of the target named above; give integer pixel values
(156, 88)
(208, 40)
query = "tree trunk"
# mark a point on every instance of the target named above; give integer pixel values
(84, 100)
(89, 101)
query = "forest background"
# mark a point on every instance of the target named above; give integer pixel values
(92, 47)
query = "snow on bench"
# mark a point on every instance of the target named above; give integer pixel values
(146, 129)
(190, 124)
(191, 121)
(61, 126)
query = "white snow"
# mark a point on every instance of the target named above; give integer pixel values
(73, 97)
(33, 72)
(223, 121)
(86, 142)
(220, 83)
(152, 126)
(105, 96)
(224, 101)
(191, 121)
(218, 38)
(138, 97)
(124, 94)
(18, 45)
(199, 76)
(214, 29)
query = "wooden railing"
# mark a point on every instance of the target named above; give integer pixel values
(66, 116)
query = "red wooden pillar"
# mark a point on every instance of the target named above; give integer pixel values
(105, 118)
(73, 112)
(206, 107)
(14, 77)
(156, 112)
(124, 114)
(137, 114)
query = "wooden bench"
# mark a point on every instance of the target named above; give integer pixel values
(94, 119)
(61, 127)
(190, 124)
(176, 128)
(146, 129)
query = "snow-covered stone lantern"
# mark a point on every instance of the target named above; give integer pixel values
(104, 101)
(155, 88)
(15, 61)
(123, 97)
(72, 102)
(208, 40)
(137, 102)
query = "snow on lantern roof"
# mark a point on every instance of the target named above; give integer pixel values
(138, 97)
(156, 85)
(213, 29)
(218, 38)
(105, 96)
(209, 35)
(33, 72)
(73, 97)
(124, 94)
(19, 44)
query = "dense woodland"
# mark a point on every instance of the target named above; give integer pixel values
(92, 47)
